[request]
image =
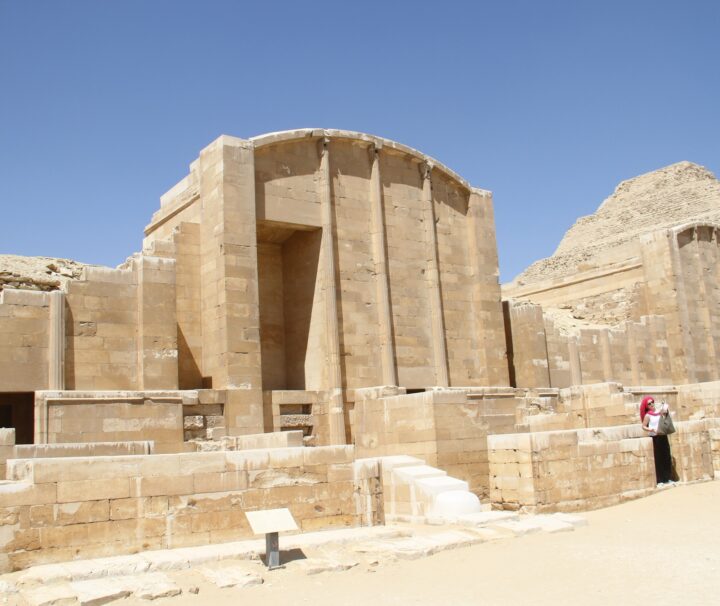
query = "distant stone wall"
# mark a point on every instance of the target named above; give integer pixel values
(654, 320)
(544, 355)
(589, 468)
(101, 506)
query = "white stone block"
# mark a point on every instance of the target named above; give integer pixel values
(454, 503)
(416, 472)
(390, 463)
(436, 485)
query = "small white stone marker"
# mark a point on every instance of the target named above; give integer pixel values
(270, 522)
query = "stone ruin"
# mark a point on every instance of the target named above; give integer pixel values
(315, 322)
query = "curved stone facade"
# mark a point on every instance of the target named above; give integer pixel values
(310, 261)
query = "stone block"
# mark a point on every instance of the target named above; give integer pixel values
(95, 468)
(7, 436)
(162, 486)
(51, 595)
(92, 490)
(220, 481)
(14, 494)
(193, 422)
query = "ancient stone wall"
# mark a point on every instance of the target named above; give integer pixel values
(350, 167)
(120, 327)
(10, 450)
(347, 241)
(546, 354)
(103, 506)
(649, 256)
(24, 340)
(649, 316)
(584, 469)
(698, 401)
(77, 416)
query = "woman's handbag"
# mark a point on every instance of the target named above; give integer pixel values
(666, 427)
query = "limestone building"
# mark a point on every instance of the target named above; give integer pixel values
(281, 275)
(346, 286)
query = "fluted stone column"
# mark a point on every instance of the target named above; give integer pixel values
(685, 354)
(574, 355)
(387, 346)
(336, 414)
(704, 304)
(630, 329)
(606, 354)
(713, 276)
(56, 346)
(433, 278)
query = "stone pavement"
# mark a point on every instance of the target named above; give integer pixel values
(167, 573)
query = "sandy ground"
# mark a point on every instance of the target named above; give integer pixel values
(664, 549)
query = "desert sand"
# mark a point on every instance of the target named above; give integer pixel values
(664, 549)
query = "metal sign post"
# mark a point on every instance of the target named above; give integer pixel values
(272, 550)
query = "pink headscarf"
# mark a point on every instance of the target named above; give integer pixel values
(644, 407)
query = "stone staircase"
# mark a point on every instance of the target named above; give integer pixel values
(416, 492)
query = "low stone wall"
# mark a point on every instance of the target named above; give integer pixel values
(278, 439)
(612, 404)
(113, 416)
(589, 468)
(54, 511)
(698, 401)
(9, 450)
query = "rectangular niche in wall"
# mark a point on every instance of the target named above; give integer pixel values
(288, 279)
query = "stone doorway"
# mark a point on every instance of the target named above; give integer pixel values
(17, 410)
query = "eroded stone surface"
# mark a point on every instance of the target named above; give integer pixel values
(50, 595)
(37, 273)
(231, 576)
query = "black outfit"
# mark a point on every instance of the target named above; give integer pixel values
(663, 459)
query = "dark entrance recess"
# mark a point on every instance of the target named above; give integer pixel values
(18, 410)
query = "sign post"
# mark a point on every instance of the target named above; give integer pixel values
(271, 522)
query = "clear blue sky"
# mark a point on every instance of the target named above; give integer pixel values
(103, 104)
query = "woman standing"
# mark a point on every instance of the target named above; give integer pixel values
(661, 445)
